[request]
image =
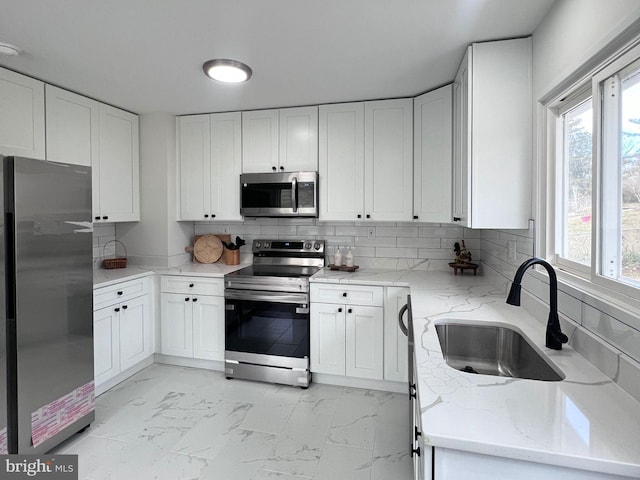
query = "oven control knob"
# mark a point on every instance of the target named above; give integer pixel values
(307, 246)
(258, 244)
(316, 246)
(266, 245)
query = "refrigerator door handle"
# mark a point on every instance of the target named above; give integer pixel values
(401, 324)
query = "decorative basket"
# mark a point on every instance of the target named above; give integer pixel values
(117, 262)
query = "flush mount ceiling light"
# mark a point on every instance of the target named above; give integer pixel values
(227, 71)
(8, 49)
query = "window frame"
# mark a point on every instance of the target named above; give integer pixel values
(575, 275)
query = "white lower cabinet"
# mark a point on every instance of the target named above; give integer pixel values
(122, 332)
(347, 334)
(192, 324)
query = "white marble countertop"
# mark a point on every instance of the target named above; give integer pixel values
(104, 278)
(585, 421)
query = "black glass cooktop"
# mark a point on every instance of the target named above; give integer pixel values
(275, 271)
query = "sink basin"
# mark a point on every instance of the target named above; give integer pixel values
(493, 350)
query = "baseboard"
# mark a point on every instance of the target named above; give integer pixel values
(122, 376)
(342, 381)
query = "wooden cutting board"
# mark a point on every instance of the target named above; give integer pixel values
(204, 257)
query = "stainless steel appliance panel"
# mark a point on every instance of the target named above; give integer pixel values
(53, 289)
(3, 327)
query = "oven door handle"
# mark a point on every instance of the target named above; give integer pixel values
(271, 297)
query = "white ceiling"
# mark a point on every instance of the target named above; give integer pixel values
(147, 55)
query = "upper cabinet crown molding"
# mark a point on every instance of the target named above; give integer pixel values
(280, 140)
(493, 136)
(21, 115)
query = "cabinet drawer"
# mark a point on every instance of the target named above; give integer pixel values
(347, 294)
(192, 285)
(119, 292)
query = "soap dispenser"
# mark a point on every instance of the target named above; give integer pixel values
(348, 258)
(337, 257)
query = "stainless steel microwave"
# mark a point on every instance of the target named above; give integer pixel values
(283, 194)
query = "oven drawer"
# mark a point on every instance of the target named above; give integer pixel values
(343, 294)
(192, 285)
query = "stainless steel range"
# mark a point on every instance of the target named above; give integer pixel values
(267, 312)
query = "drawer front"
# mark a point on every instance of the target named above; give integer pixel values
(119, 292)
(347, 294)
(192, 285)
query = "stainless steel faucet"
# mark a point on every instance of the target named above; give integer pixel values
(554, 338)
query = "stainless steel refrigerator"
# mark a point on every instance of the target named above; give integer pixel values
(46, 304)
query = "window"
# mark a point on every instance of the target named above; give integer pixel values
(620, 183)
(575, 209)
(597, 176)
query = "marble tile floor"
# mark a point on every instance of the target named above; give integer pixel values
(171, 423)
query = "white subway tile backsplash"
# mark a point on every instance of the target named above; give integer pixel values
(629, 376)
(620, 335)
(396, 252)
(442, 232)
(314, 231)
(603, 356)
(375, 242)
(351, 230)
(436, 254)
(420, 243)
(394, 231)
(570, 306)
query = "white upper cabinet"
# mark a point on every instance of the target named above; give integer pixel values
(366, 161)
(284, 140)
(341, 161)
(116, 183)
(388, 157)
(298, 139)
(209, 164)
(72, 127)
(432, 156)
(493, 136)
(260, 136)
(83, 131)
(21, 115)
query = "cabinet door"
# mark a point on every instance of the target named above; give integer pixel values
(432, 156)
(395, 342)
(176, 325)
(461, 144)
(341, 161)
(194, 143)
(106, 343)
(299, 139)
(226, 166)
(135, 331)
(260, 141)
(208, 327)
(72, 127)
(21, 115)
(388, 157)
(364, 342)
(118, 167)
(327, 338)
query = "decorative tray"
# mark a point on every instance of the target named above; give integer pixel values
(342, 268)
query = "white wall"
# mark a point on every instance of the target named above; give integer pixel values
(157, 240)
(568, 38)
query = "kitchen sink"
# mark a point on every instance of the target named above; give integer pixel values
(493, 350)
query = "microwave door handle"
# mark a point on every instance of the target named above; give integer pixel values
(294, 194)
